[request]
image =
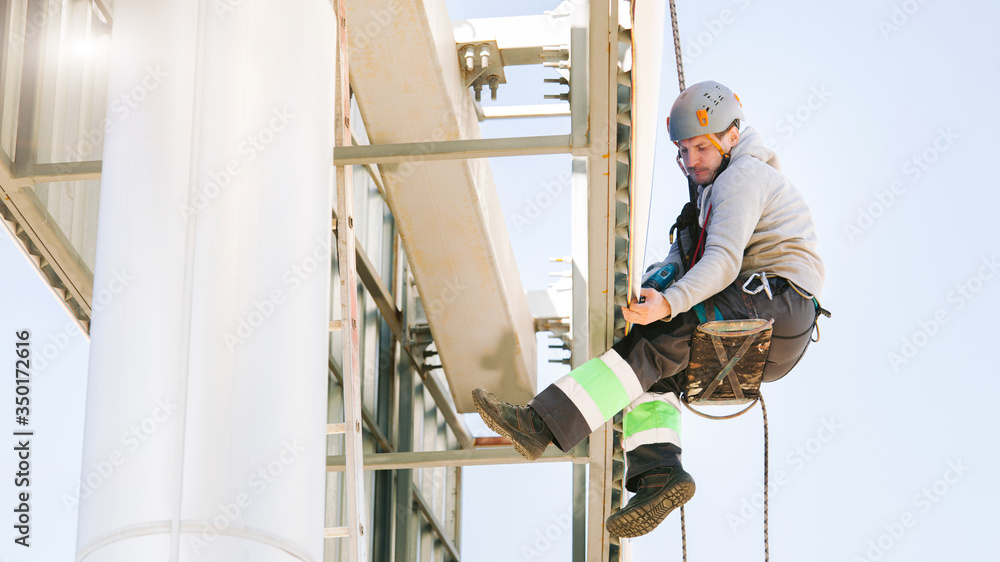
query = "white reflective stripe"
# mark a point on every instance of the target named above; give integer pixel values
(652, 437)
(668, 397)
(623, 371)
(582, 400)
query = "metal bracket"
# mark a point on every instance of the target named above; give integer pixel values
(481, 65)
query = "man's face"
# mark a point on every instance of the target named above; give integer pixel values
(701, 158)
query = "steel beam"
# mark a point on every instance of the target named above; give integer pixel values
(521, 39)
(383, 509)
(61, 171)
(404, 549)
(521, 111)
(105, 7)
(384, 301)
(371, 169)
(428, 513)
(602, 87)
(450, 150)
(459, 457)
(378, 291)
(441, 398)
(26, 148)
(489, 314)
(405, 487)
(5, 9)
(366, 415)
(70, 270)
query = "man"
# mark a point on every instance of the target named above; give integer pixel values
(746, 249)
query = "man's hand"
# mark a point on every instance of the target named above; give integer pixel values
(655, 307)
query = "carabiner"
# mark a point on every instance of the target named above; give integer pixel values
(764, 285)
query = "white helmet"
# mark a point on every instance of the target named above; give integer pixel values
(703, 108)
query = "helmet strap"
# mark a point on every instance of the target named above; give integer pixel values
(722, 167)
(717, 145)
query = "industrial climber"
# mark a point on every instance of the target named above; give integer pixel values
(746, 248)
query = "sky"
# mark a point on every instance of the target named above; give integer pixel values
(880, 438)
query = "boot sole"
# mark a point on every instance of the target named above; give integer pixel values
(638, 522)
(492, 418)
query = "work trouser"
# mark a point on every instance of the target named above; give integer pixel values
(643, 375)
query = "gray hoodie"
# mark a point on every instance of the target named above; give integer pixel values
(759, 222)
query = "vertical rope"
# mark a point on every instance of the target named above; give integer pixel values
(684, 537)
(677, 45)
(763, 409)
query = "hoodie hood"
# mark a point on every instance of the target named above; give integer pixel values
(752, 144)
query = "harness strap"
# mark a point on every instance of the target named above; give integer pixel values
(815, 323)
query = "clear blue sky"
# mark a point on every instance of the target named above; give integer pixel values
(877, 110)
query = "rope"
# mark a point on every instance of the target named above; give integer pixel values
(684, 538)
(729, 417)
(760, 398)
(763, 411)
(677, 45)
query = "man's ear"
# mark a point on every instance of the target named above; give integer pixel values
(733, 136)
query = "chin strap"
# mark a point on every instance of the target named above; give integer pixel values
(725, 158)
(722, 168)
(717, 145)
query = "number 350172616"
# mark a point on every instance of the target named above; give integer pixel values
(22, 400)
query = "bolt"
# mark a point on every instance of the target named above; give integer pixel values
(494, 84)
(470, 65)
(484, 53)
(478, 87)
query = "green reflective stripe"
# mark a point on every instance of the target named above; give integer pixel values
(603, 386)
(651, 415)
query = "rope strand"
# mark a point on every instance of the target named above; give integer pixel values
(763, 410)
(684, 538)
(677, 45)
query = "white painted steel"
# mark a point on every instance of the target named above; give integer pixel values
(336, 532)
(519, 111)
(409, 88)
(198, 445)
(602, 90)
(648, 30)
(521, 39)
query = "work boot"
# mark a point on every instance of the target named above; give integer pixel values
(660, 491)
(521, 424)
